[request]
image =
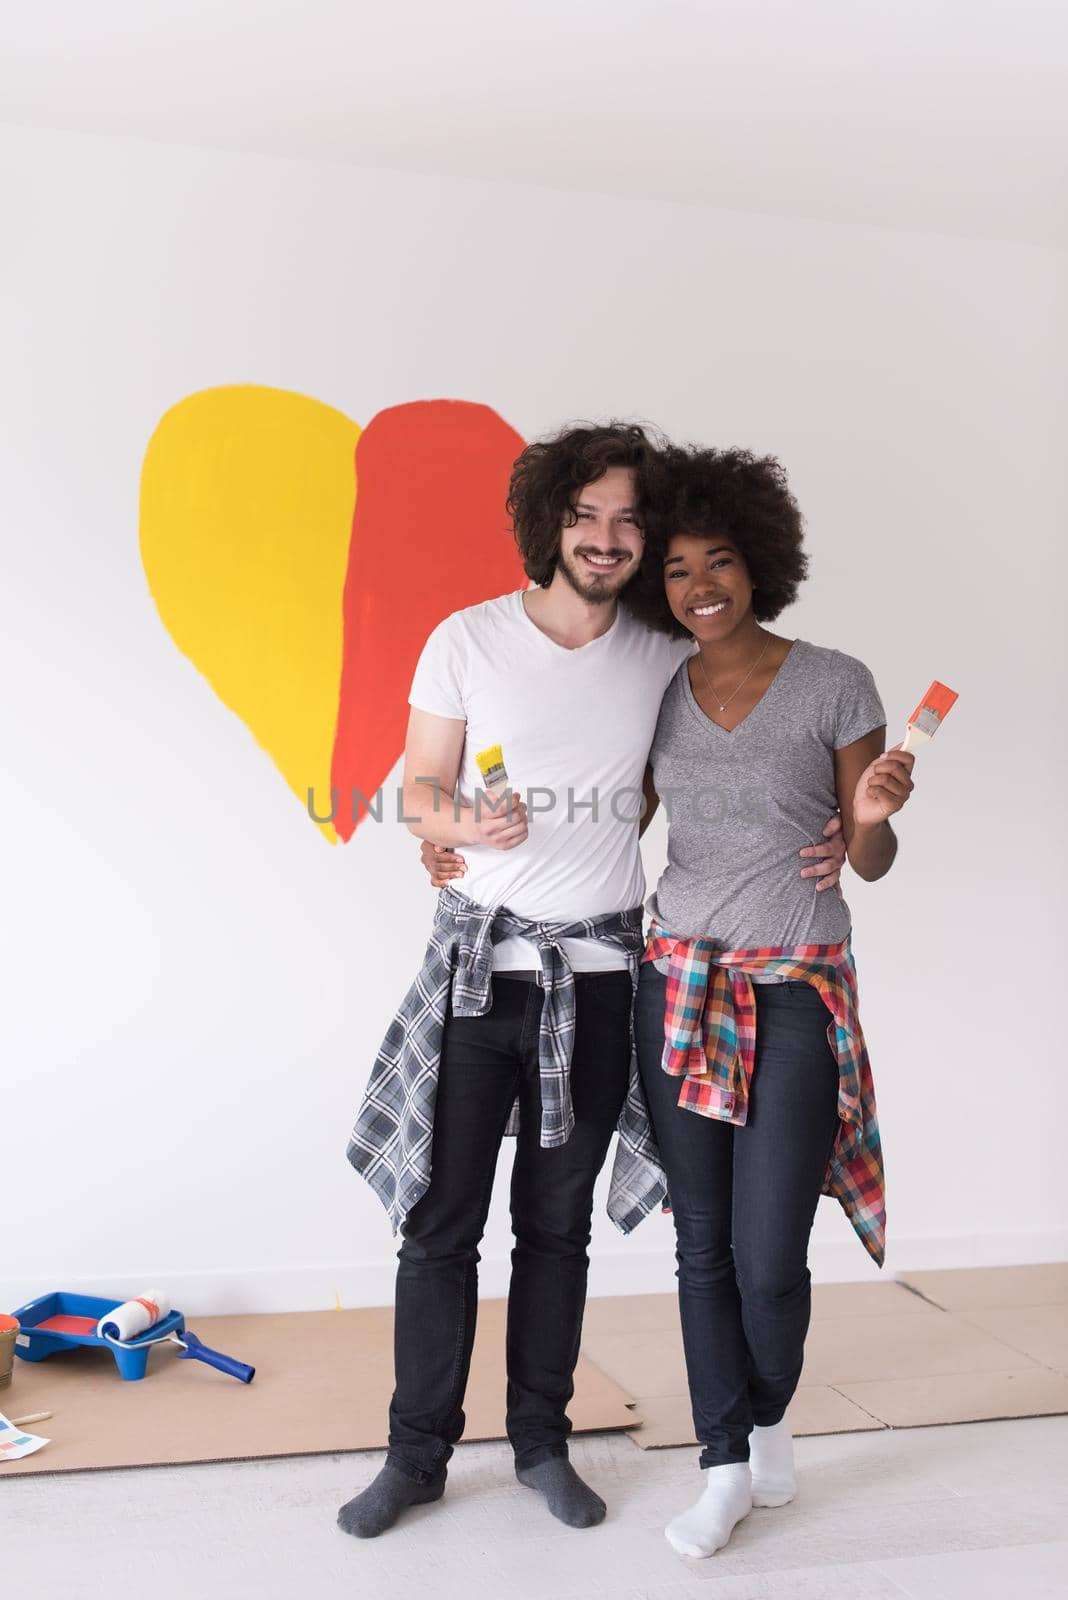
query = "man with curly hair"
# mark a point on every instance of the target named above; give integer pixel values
(521, 1017)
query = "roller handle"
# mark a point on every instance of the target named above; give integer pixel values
(198, 1351)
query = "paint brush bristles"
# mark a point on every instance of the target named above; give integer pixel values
(491, 765)
(929, 715)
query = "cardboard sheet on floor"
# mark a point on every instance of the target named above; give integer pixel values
(878, 1354)
(993, 1288)
(665, 1420)
(962, 1397)
(323, 1382)
(1040, 1332)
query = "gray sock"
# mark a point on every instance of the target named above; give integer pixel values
(381, 1503)
(573, 1501)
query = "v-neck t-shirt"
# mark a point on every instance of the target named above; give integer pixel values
(742, 803)
(574, 726)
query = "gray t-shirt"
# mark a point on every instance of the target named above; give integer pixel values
(740, 805)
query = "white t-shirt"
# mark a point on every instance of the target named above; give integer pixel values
(573, 725)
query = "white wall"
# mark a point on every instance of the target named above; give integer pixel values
(194, 982)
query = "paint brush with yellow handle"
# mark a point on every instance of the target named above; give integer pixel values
(929, 716)
(494, 773)
(502, 802)
(442, 862)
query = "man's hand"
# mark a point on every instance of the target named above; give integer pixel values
(499, 822)
(832, 856)
(444, 865)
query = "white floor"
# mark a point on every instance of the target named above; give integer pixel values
(978, 1512)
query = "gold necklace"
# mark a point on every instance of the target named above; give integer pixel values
(725, 703)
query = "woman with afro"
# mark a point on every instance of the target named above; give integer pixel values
(750, 1050)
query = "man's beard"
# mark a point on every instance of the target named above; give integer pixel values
(594, 590)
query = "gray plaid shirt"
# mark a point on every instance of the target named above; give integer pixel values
(391, 1141)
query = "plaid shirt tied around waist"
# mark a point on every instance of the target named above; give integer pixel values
(710, 1026)
(391, 1141)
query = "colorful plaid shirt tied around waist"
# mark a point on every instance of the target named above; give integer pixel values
(710, 1027)
(391, 1142)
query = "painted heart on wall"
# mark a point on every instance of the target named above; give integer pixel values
(300, 562)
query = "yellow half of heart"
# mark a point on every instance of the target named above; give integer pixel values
(230, 476)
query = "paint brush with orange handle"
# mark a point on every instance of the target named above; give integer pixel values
(929, 716)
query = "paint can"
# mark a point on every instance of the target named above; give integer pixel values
(9, 1332)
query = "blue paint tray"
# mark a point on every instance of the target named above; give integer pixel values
(60, 1321)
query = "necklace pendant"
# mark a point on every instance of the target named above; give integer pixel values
(723, 708)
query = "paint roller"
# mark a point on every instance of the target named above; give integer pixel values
(135, 1317)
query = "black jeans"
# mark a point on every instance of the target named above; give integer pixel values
(743, 1201)
(486, 1062)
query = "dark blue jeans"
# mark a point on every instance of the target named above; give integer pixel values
(743, 1201)
(486, 1062)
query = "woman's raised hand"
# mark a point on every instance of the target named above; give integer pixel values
(883, 787)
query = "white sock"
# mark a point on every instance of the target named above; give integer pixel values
(726, 1499)
(771, 1457)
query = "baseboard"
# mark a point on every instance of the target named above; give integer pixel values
(624, 1270)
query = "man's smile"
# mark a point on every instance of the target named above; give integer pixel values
(603, 561)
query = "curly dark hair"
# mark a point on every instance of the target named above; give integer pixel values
(731, 492)
(548, 475)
